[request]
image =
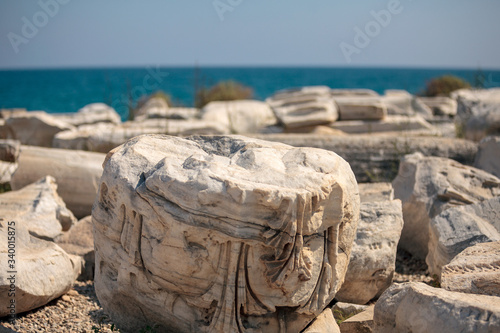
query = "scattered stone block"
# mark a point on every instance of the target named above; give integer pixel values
(419, 308)
(77, 174)
(373, 256)
(458, 228)
(224, 230)
(476, 270)
(38, 208)
(371, 192)
(488, 156)
(428, 186)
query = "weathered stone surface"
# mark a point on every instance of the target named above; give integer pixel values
(478, 112)
(9, 150)
(35, 128)
(105, 137)
(241, 117)
(420, 108)
(353, 92)
(347, 309)
(307, 106)
(388, 124)
(225, 230)
(79, 241)
(7, 169)
(91, 114)
(398, 102)
(429, 185)
(43, 270)
(152, 104)
(360, 323)
(178, 113)
(440, 106)
(360, 108)
(457, 228)
(376, 158)
(419, 308)
(476, 270)
(488, 155)
(370, 192)
(77, 174)
(38, 208)
(373, 256)
(324, 323)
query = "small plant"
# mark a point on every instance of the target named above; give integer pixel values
(223, 91)
(444, 86)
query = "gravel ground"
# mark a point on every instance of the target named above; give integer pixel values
(79, 310)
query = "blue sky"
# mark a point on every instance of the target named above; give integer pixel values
(96, 33)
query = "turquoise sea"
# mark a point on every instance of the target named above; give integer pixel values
(67, 90)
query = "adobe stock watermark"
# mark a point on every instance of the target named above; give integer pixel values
(30, 28)
(150, 82)
(373, 28)
(224, 6)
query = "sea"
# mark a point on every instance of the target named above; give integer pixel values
(67, 90)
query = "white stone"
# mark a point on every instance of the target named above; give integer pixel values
(215, 233)
(179, 113)
(151, 105)
(360, 108)
(373, 256)
(419, 308)
(91, 114)
(43, 270)
(458, 228)
(360, 323)
(9, 150)
(307, 106)
(79, 241)
(488, 155)
(478, 112)
(429, 185)
(398, 102)
(324, 323)
(77, 174)
(241, 117)
(38, 208)
(35, 128)
(476, 270)
(353, 92)
(440, 106)
(370, 192)
(388, 124)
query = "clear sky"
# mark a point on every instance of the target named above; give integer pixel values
(96, 33)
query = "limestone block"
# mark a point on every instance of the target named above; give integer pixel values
(370, 192)
(373, 256)
(360, 323)
(440, 106)
(488, 155)
(79, 241)
(418, 308)
(428, 186)
(9, 150)
(353, 92)
(360, 108)
(388, 124)
(476, 270)
(307, 106)
(241, 117)
(91, 114)
(43, 270)
(77, 174)
(478, 112)
(458, 228)
(221, 234)
(376, 158)
(38, 208)
(35, 128)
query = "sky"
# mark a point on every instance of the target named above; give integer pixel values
(340, 33)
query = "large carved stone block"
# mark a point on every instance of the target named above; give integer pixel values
(221, 234)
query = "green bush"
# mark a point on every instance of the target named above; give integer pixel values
(444, 85)
(223, 91)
